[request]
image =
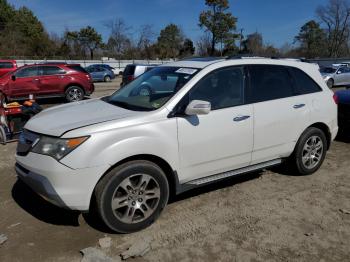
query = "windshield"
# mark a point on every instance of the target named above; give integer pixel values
(152, 89)
(328, 70)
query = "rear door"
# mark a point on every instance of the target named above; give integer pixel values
(26, 82)
(51, 80)
(280, 114)
(223, 139)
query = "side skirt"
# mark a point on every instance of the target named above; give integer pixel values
(180, 188)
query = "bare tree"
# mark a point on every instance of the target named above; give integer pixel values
(336, 16)
(146, 41)
(203, 45)
(119, 39)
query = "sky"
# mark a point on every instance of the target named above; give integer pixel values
(278, 20)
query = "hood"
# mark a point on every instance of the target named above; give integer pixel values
(57, 120)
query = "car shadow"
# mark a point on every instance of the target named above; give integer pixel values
(224, 183)
(39, 208)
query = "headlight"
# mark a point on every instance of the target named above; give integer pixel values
(57, 147)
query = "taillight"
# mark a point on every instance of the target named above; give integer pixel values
(130, 78)
(336, 98)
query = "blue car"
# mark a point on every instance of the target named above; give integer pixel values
(99, 73)
(342, 97)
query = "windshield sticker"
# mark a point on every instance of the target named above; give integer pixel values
(188, 71)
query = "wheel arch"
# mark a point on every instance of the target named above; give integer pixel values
(326, 131)
(171, 174)
(74, 84)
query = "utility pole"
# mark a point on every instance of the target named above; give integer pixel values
(241, 40)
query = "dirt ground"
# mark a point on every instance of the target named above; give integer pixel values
(266, 216)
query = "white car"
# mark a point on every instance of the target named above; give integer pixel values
(336, 75)
(126, 153)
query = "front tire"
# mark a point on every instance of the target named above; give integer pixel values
(74, 94)
(310, 151)
(131, 196)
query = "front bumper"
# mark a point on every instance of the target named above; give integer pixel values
(57, 183)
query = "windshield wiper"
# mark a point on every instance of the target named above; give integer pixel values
(126, 105)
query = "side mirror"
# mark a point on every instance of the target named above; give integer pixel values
(13, 77)
(198, 107)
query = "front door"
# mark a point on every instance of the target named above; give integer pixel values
(25, 83)
(223, 139)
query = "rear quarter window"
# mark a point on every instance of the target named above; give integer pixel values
(77, 68)
(6, 65)
(129, 70)
(304, 84)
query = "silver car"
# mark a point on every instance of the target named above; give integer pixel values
(336, 76)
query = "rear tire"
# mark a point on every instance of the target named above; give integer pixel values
(309, 152)
(107, 79)
(131, 196)
(330, 83)
(74, 94)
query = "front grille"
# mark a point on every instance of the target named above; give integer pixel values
(25, 142)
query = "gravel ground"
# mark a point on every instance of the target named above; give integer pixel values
(266, 216)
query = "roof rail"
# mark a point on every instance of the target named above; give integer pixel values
(201, 58)
(243, 56)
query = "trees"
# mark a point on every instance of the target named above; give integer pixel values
(336, 17)
(312, 40)
(118, 41)
(187, 48)
(145, 42)
(90, 39)
(21, 33)
(218, 21)
(253, 44)
(86, 39)
(169, 41)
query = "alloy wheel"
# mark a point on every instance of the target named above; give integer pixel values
(136, 198)
(312, 152)
(75, 94)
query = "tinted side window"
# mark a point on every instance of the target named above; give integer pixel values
(303, 83)
(269, 82)
(344, 70)
(129, 70)
(222, 88)
(28, 72)
(77, 68)
(6, 65)
(51, 70)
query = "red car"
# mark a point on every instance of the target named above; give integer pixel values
(7, 66)
(47, 80)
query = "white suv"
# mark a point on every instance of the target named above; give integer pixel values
(200, 121)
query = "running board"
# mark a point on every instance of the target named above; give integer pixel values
(208, 179)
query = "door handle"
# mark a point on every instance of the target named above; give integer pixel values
(298, 106)
(240, 118)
